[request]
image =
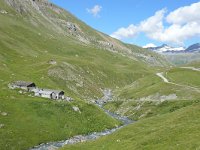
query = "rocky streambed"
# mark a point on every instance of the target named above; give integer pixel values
(92, 136)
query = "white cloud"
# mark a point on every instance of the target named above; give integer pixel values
(177, 34)
(183, 23)
(185, 14)
(149, 45)
(95, 10)
(154, 23)
(151, 25)
(128, 32)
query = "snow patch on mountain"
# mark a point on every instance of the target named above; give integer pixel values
(166, 48)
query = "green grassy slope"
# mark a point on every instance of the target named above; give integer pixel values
(29, 40)
(194, 64)
(146, 96)
(182, 58)
(82, 71)
(91, 68)
(150, 85)
(185, 76)
(31, 121)
(176, 131)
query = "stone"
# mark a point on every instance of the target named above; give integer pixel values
(4, 113)
(1, 126)
(52, 62)
(3, 12)
(75, 108)
(69, 99)
(20, 92)
(52, 148)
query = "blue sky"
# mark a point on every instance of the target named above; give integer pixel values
(131, 15)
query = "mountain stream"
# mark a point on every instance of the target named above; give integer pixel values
(91, 136)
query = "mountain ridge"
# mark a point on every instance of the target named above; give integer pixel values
(169, 49)
(193, 48)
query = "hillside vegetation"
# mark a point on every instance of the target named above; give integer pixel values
(176, 131)
(35, 33)
(183, 76)
(30, 36)
(28, 42)
(181, 59)
(144, 97)
(31, 121)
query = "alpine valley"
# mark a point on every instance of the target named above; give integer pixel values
(117, 96)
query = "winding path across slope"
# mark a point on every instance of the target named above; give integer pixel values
(192, 68)
(162, 77)
(167, 81)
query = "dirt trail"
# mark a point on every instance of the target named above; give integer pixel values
(191, 68)
(181, 85)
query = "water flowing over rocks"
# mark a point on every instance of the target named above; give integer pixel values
(93, 136)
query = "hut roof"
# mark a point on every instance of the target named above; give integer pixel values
(23, 83)
(49, 91)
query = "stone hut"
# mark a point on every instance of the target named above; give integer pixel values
(29, 86)
(48, 93)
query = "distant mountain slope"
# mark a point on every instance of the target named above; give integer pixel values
(166, 48)
(182, 58)
(169, 49)
(193, 48)
(178, 55)
(43, 13)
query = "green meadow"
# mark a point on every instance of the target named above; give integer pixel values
(28, 41)
(176, 130)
